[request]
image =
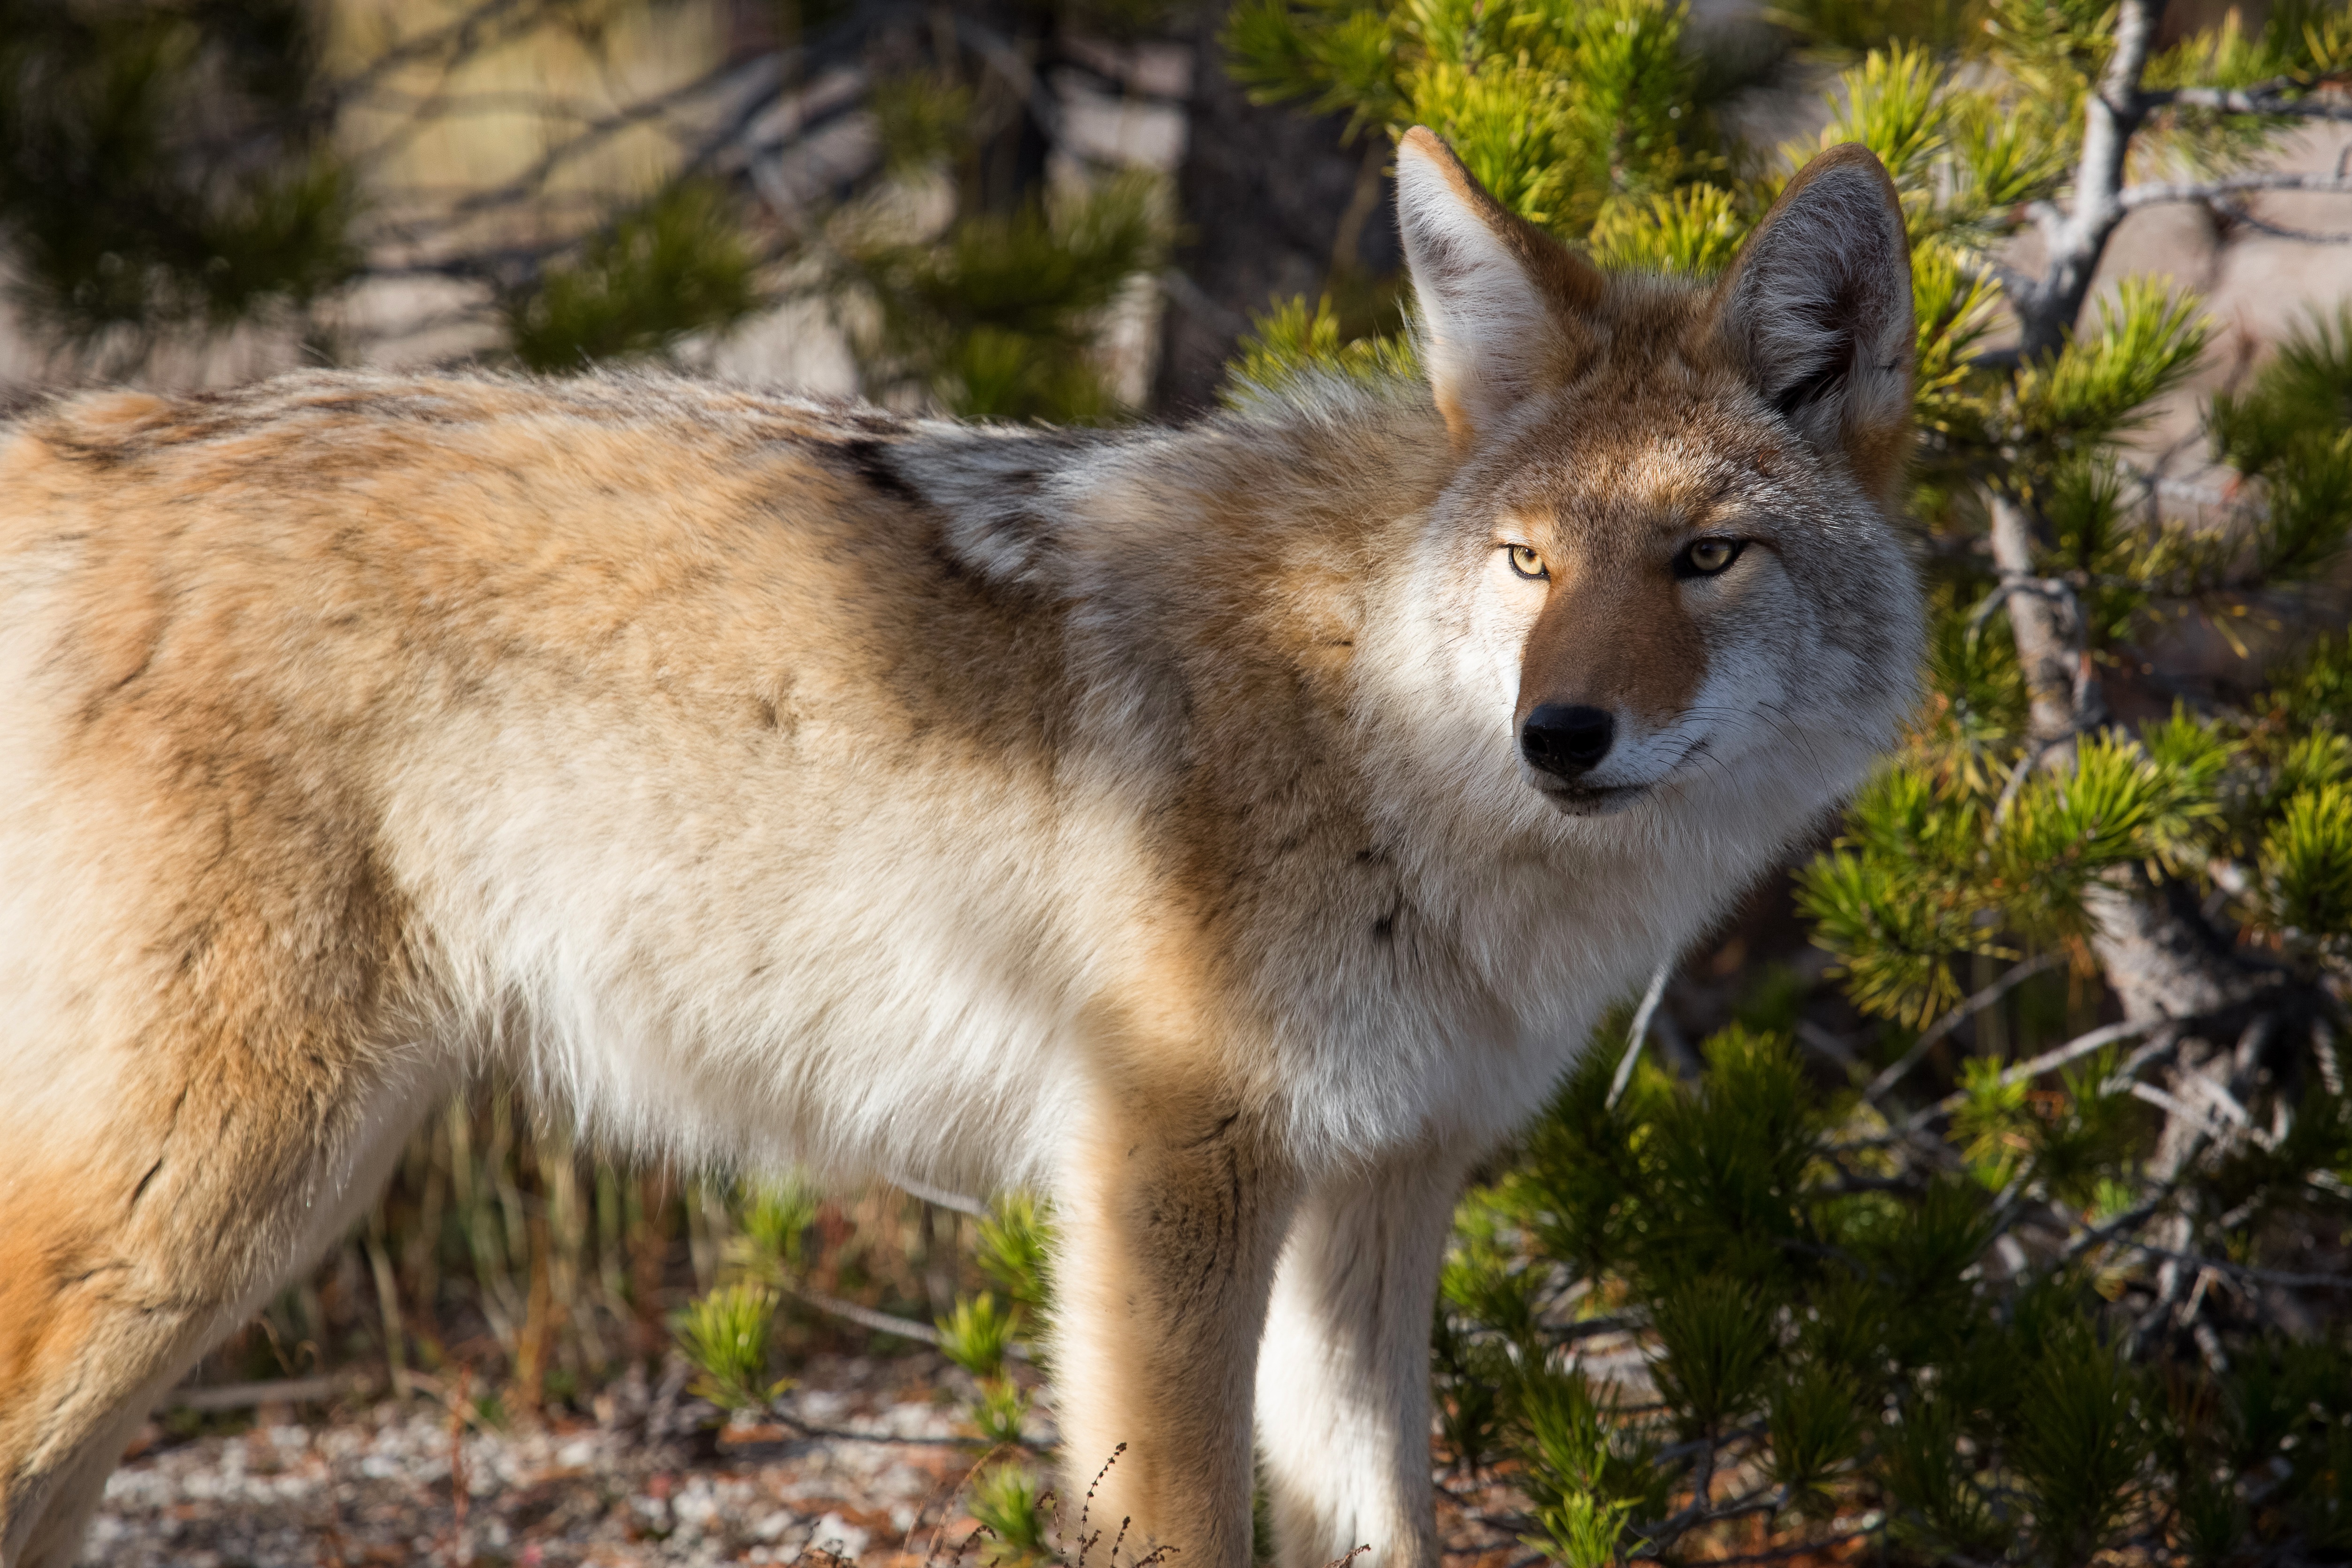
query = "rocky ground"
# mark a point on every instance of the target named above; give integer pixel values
(870, 1469)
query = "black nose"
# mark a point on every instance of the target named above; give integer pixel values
(1566, 740)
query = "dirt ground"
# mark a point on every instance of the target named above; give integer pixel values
(867, 1471)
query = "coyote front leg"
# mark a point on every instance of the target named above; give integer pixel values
(1169, 1227)
(1343, 1376)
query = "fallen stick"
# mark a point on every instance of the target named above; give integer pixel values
(273, 1391)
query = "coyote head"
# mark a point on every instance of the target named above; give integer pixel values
(1666, 547)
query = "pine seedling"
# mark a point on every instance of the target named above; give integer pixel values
(1289, 344)
(1694, 231)
(1585, 1491)
(2211, 1521)
(725, 1335)
(2089, 1130)
(978, 1332)
(1000, 1409)
(1015, 1245)
(1482, 1279)
(1993, 1124)
(777, 1220)
(1931, 1483)
(977, 1336)
(996, 319)
(1009, 1502)
(1471, 1374)
(1579, 1530)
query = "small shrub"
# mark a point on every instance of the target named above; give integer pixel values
(724, 1335)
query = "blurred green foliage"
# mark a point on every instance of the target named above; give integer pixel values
(675, 267)
(161, 166)
(172, 172)
(997, 319)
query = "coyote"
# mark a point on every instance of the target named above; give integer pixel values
(1231, 829)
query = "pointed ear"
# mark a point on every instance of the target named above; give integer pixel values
(1503, 304)
(1817, 311)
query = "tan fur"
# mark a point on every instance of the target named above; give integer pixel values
(1139, 816)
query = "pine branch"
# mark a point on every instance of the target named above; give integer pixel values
(2111, 115)
(2062, 686)
(2134, 198)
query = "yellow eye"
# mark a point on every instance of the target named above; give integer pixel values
(1526, 562)
(1705, 557)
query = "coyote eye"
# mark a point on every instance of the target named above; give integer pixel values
(1705, 557)
(1526, 562)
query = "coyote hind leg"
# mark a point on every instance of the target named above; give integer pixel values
(117, 1274)
(183, 1135)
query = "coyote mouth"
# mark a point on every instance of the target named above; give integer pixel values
(1590, 801)
(1602, 799)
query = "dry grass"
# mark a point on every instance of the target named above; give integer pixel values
(543, 1272)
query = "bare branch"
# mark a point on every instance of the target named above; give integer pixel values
(2158, 194)
(2265, 99)
(2017, 974)
(1009, 63)
(2130, 1220)
(274, 1391)
(882, 1323)
(1642, 1016)
(2181, 1111)
(2237, 213)
(2245, 1272)
(2082, 1045)
(2075, 1050)
(758, 79)
(942, 1197)
(461, 35)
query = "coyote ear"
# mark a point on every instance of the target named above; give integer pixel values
(1816, 310)
(1502, 303)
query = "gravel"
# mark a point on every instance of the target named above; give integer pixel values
(865, 1467)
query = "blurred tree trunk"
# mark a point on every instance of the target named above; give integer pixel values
(1274, 205)
(1015, 43)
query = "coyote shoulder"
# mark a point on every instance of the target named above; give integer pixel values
(1232, 830)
